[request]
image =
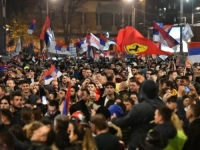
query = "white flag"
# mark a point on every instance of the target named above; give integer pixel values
(18, 47)
(187, 32)
(94, 41)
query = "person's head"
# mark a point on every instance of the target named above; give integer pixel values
(11, 83)
(186, 100)
(73, 90)
(85, 94)
(184, 81)
(110, 88)
(168, 84)
(128, 103)
(162, 115)
(53, 107)
(98, 123)
(172, 103)
(134, 85)
(5, 102)
(65, 79)
(81, 133)
(88, 73)
(16, 100)
(43, 135)
(26, 86)
(123, 86)
(55, 84)
(6, 116)
(160, 73)
(135, 70)
(61, 123)
(193, 112)
(118, 66)
(2, 90)
(18, 132)
(148, 73)
(92, 86)
(61, 93)
(52, 96)
(172, 75)
(37, 114)
(27, 115)
(134, 97)
(7, 141)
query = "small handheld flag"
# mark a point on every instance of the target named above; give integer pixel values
(32, 26)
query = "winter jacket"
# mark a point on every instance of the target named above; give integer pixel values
(140, 116)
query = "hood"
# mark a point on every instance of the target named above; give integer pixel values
(167, 129)
(148, 91)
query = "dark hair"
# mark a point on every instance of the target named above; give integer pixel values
(26, 82)
(73, 108)
(6, 98)
(75, 88)
(169, 84)
(37, 114)
(7, 113)
(7, 139)
(3, 88)
(13, 94)
(50, 137)
(185, 96)
(86, 90)
(136, 81)
(92, 83)
(54, 103)
(184, 78)
(195, 110)
(18, 132)
(166, 113)
(172, 99)
(109, 83)
(26, 115)
(99, 121)
(129, 100)
(62, 122)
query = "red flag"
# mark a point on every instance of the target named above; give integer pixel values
(45, 27)
(129, 40)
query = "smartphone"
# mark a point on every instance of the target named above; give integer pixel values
(44, 100)
(187, 89)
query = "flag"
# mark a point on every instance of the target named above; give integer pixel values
(66, 102)
(51, 74)
(32, 26)
(156, 36)
(83, 46)
(168, 28)
(18, 47)
(49, 37)
(103, 42)
(194, 51)
(94, 41)
(187, 32)
(130, 41)
(90, 52)
(60, 48)
(165, 38)
(44, 28)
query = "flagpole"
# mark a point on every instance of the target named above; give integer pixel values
(47, 7)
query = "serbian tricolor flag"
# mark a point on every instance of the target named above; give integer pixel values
(165, 38)
(103, 41)
(32, 26)
(51, 74)
(45, 27)
(194, 51)
(130, 41)
(67, 101)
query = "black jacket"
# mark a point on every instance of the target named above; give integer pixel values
(193, 133)
(62, 140)
(142, 114)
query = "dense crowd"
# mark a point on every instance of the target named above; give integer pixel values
(114, 104)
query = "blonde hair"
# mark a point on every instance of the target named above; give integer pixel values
(176, 121)
(84, 135)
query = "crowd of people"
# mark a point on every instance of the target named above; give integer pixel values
(114, 104)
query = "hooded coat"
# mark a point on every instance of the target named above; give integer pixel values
(140, 116)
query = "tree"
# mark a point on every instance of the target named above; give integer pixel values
(68, 8)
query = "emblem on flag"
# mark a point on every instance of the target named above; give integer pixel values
(136, 48)
(63, 49)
